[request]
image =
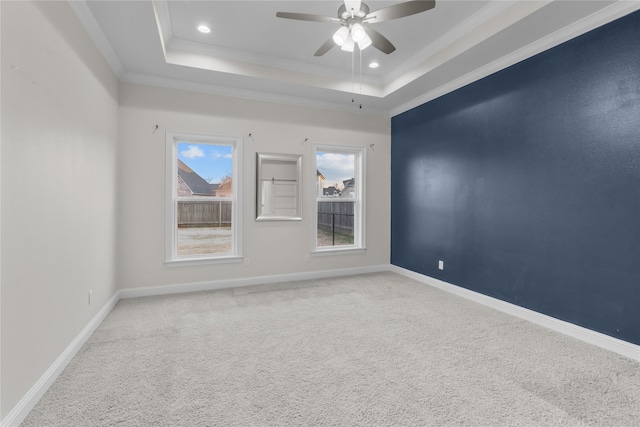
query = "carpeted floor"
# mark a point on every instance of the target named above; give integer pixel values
(369, 350)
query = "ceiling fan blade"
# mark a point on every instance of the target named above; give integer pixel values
(306, 17)
(379, 41)
(400, 10)
(326, 47)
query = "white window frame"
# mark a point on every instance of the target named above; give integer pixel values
(359, 206)
(171, 199)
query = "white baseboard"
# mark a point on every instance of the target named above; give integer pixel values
(607, 342)
(249, 281)
(26, 404)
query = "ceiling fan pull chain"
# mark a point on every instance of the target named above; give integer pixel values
(360, 71)
(353, 89)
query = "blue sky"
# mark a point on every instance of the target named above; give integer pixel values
(335, 167)
(211, 162)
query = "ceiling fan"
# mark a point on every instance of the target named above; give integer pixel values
(354, 18)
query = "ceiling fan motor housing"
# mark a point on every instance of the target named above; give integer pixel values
(345, 15)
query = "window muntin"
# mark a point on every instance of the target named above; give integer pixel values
(338, 215)
(202, 204)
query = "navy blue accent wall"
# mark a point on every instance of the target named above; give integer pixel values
(527, 183)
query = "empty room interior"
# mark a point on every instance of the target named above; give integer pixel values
(320, 213)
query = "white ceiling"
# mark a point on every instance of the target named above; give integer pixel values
(253, 54)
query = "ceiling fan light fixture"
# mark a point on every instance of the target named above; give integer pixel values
(348, 45)
(357, 32)
(365, 42)
(353, 15)
(341, 36)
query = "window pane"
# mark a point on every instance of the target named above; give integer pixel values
(335, 223)
(204, 227)
(204, 170)
(336, 174)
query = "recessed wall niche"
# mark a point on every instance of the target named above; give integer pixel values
(278, 195)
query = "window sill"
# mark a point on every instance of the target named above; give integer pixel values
(337, 251)
(189, 262)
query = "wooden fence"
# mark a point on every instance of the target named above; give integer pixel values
(204, 214)
(336, 216)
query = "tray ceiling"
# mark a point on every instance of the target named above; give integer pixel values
(252, 54)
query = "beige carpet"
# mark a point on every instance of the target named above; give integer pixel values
(370, 350)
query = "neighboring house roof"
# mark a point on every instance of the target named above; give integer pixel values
(349, 183)
(195, 182)
(225, 188)
(330, 191)
(320, 174)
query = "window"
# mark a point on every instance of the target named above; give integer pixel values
(203, 209)
(339, 207)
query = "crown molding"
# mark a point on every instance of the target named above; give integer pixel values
(480, 29)
(266, 73)
(163, 20)
(602, 17)
(252, 95)
(470, 24)
(267, 61)
(96, 34)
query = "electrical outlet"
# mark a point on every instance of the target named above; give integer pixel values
(247, 261)
(90, 296)
(441, 265)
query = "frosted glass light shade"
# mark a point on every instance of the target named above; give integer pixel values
(341, 36)
(365, 42)
(349, 45)
(357, 32)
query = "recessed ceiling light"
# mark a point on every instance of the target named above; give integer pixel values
(374, 64)
(204, 29)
